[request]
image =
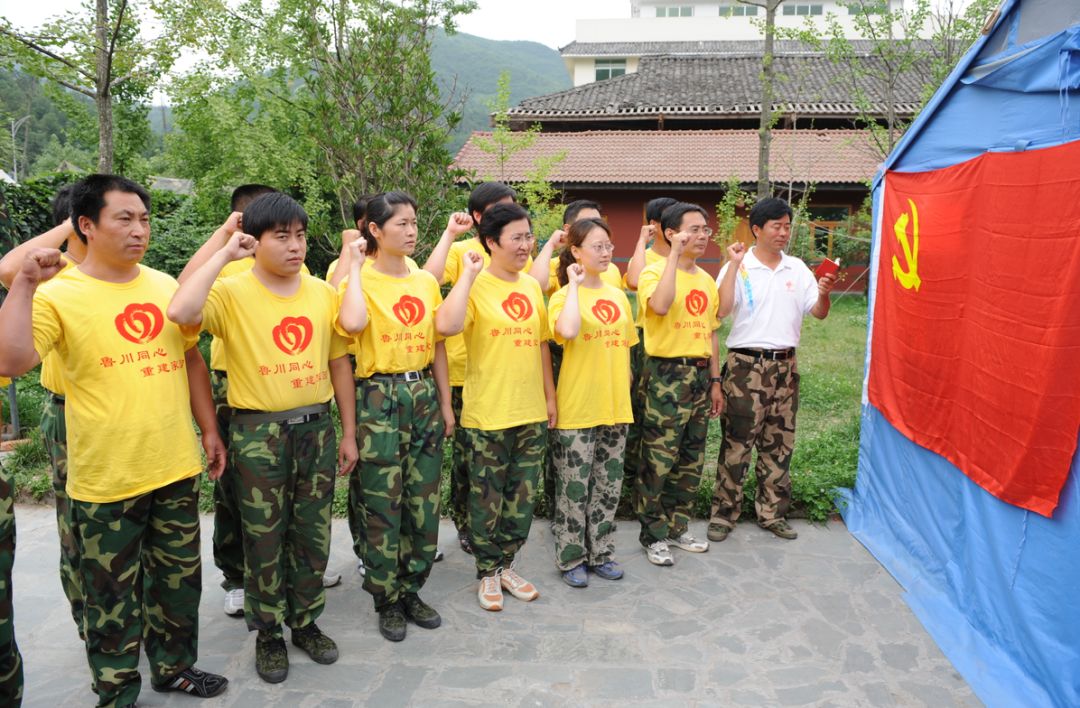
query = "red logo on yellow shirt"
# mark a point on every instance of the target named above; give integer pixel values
(293, 335)
(696, 302)
(606, 311)
(140, 322)
(410, 310)
(518, 307)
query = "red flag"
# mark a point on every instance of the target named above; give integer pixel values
(976, 335)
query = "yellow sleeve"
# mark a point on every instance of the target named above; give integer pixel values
(4, 382)
(553, 278)
(545, 327)
(625, 303)
(555, 308)
(452, 271)
(215, 312)
(435, 293)
(47, 330)
(330, 269)
(646, 286)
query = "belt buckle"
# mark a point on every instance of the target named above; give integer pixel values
(296, 421)
(411, 376)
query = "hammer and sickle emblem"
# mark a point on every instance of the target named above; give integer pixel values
(908, 278)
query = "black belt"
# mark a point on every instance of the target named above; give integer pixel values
(293, 416)
(771, 354)
(57, 399)
(406, 376)
(684, 361)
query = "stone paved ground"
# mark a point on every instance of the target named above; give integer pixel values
(756, 621)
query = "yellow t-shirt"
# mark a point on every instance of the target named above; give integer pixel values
(611, 276)
(128, 412)
(4, 382)
(686, 330)
(651, 257)
(594, 381)
(367, 264)
(52, 370)
(400, 334)
(504, 326)
(278, 348)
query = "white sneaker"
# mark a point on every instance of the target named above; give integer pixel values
(360, 568)
(688, 543)
(329, 580)
(658, 553)
(518, 586)
(490, 593)
(234, 602)
(439, 555)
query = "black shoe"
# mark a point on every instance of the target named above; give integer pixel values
(318, 646)
(420, 612)
(195, 682)
(271, 659)
(392, 622)
(463, 539)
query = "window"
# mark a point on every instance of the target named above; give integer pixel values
(675, 11)
(857, 7)
(738, 10)
(803, 9)
(609, 68)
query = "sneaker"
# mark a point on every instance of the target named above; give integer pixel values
(490, 593)
(360, 568)
(271, 659)
(464, 542)
(421, 613)
(518, 586)
(195, 682)
(609, 570)
(439, 555)
(718, 532)
(782, 529)
(330, 580)
(576, 577)
(234, 602)
(688, 543)
(318, 646)
(658, 553)
(392, 622)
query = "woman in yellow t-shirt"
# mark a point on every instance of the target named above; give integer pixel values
(508, 399)
(593, 322)
(402, 413)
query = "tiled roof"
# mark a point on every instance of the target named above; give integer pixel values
(684, 157)
(717, 86)
(752, 47)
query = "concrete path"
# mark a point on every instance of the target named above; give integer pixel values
(756, 621)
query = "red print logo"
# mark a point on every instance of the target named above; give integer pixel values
(293, 335)
(410, 310)
(606, 311)
(518, 307)
(140, 322)
(696, 302)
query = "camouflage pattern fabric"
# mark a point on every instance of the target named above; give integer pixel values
(54, 435)
(11, 668)
(228, 534)
(550, 481)
(503, 474)
(400, 436)
(761, 399)
(286, 484)
(632, 457)
(141, 574)
(459, 468)
(673, 431)
(589, 472)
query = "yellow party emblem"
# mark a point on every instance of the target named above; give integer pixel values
(908, 278)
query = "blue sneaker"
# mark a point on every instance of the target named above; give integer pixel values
(608, 571)
(576, 577)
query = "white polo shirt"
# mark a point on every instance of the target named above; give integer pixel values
(770, 304)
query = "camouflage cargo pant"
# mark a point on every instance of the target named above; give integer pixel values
(673, 431)
(589, 472)
(11, 668)
(396, 483)
(632, 458)
(550, 481)
(761, 398)
(459, 468)
(228, 535)
(503, 473)
(54, 435)
(286, 485)
(141, 571)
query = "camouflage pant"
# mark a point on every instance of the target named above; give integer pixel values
(11, 668)
(285, 474)
(54, 435)
(228, 535)
(395, 485)
(459, 468)
(632, 457)
(589, 471)
(673, 432)
(503, 473)
(761, 398)
(141, 571)
(550, 481)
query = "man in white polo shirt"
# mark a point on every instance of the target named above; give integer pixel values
(768, 293)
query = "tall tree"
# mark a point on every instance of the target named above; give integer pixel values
(768, 78)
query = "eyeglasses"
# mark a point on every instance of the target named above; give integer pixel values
(519, 239)
(603, 247)
(700, 231)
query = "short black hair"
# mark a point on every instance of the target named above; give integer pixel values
(61, 205)
(272, 211)
(576, 207)
(495, 220)
(246, 193)
(487, 193)
(380, 209)
(768, 210)
(673, 216)
(654, 208)
(359, 208)
(88, 197)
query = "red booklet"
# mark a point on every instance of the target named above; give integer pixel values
(827, 267)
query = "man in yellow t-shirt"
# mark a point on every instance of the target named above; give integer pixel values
(285, 364)
(681, 381)
(132, 382)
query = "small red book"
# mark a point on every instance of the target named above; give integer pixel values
(827, 267)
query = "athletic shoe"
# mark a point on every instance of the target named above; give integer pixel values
(360, 568)
(688, 543)
(439, 555)
(329, 580)
(271, 658)
(609, 570)
(490, 593)
(518, 586)
(194, 682)
(318, 646)
(392, 622)
(718, 532)
(782, 529)
(576, 577)
(234, 602)
(658, 553)
(421, 613)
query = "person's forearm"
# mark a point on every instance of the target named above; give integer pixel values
(636, 264)
(664, 295)
(541, 267)
(206, 251)
(436, 262)
(202, 401)
(12, 260)
(714, 361)
(726, 292)
(549, 377)
(440, 369)
(450, 317)
(187, 302)
(568, 325)
(17, 353)
(353, 315)
(342, 268)
(822, 306)
(341, 378)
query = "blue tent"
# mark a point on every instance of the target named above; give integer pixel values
(998, 587)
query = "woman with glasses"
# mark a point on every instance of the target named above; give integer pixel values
(593, 322)
(508, 399)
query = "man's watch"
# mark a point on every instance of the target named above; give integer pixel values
(715, 379)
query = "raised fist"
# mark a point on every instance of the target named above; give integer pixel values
(240, 246)
(41, 265)
(458, 223)
(473, 263)
(575, 273)
(736, 252)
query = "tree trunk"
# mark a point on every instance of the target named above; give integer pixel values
(765, 121)
(103, 87)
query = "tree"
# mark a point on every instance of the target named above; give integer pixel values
(766, 118)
